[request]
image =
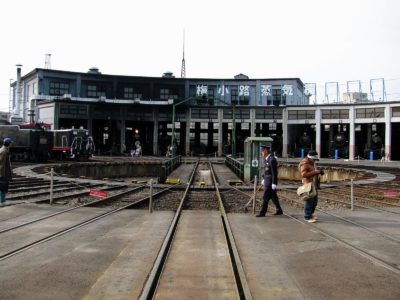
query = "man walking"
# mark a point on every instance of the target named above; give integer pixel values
(5, 169)
(270, 181)
(310, 173)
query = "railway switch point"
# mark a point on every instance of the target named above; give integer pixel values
(235, 182)
(173, 181)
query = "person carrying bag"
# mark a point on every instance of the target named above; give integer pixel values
(308, 191)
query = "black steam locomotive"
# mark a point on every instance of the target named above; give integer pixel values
(29, 144)
(35, 142)
(341, 144)
(376, 147)
(303, 142)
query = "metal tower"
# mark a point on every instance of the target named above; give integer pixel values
(47, 61)
(183, 68)
(377, 89)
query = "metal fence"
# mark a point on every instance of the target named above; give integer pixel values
(235, 165)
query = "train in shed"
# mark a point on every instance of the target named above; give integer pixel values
(303, 144)
(339, 146)
(376, 147)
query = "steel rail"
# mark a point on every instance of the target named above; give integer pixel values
(325, 198)
(388, 236)
(42, 186)
(65, 211)
(76, 226)
(362, 198)
(339, 217)
(60, 190)
(240, 275)
(365, 254)
(153, 279)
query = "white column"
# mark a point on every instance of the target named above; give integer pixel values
(187, 145)
(318, 130)
(155, 132)
(284, 133)
(220, 117)
(388, 132)
(352, 134)
(253, 122)
(90, 119)
(123, 145)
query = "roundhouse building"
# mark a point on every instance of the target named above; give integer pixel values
(210, 114)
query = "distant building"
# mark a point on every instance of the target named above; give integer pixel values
(355, 97)
(4, 117)
(211, 115)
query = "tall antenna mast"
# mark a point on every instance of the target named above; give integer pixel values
(47, 61)
(183, 69)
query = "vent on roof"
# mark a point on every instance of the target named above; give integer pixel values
(94, 70)
(241, 76)
(168, 74)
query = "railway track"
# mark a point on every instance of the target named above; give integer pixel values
(167, 279)
(13, 246)
(368, 251)
(199, 198)
(201, 222)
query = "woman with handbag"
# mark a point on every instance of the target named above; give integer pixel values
(5, 169)
(310, 174)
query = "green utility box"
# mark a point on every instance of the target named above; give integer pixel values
(252, 156)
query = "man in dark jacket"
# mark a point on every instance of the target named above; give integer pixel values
(5, 169)
(270, 182)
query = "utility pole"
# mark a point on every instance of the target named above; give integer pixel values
(233, 130)
(183, 68)
(10, 100)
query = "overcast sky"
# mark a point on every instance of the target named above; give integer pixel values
(318, 41)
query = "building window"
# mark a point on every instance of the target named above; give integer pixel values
(363, 113)
(58, 88)
(166, 94)
(271, 114)
(73, 110)
(272, 126)
(396, 112)
(215, 139)
(210, 96)
(335, 114)
(204, 114)
(301, 114)
(204, 138)
(242, 114)
(276, 97)
(234, 96)
(96, 91)
(239, 114)
(131, 93)
(379, 112)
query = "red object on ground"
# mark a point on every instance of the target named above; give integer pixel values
(98, 194)
(390, 194)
